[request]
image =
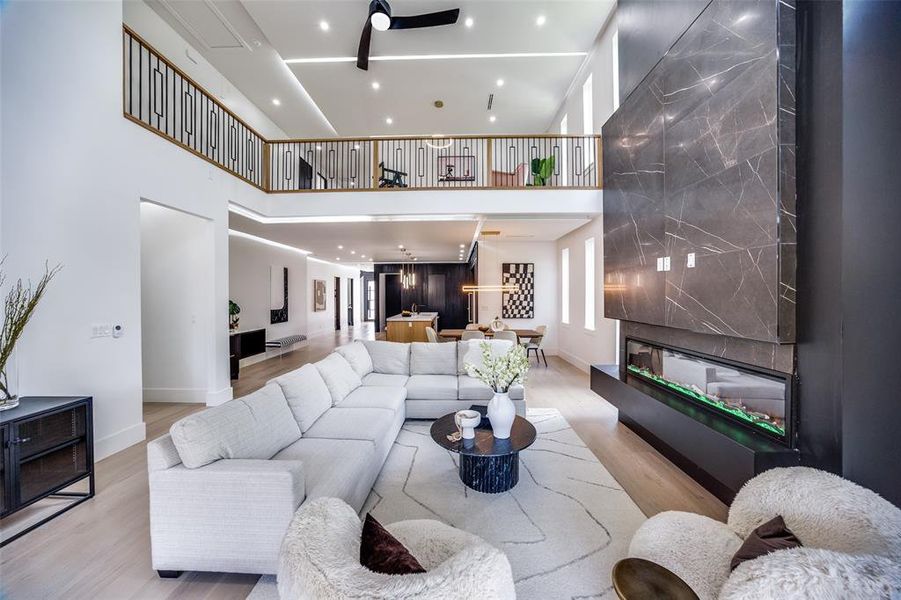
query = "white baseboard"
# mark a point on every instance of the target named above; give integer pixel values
(184, 395)
(119, 441)
(574, 360)
(219, 397)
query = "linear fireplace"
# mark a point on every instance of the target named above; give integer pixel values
(757, 399)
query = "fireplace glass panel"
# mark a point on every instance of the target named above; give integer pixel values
(753, 399)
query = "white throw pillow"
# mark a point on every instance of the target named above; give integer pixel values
(391, 358)
(256, 426)
(339, 376)
(358, 357)
(470, 352)
(307, 395)
(433, 359)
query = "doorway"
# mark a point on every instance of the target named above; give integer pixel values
(337, 304)
(177, 305)
(350, 302)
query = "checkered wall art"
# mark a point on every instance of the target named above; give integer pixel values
(519, 304)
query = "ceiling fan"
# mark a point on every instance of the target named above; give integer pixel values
(381, 19)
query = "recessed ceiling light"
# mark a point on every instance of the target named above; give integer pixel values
(353, 251)
(370, 258)
(376, 85)
(276, 102)
(461, 258)
(340, 247)
(468, 22)
(500, 83)
(323, 25)
(415, 258)
(541, 20)
(462, 245)
(337, 258)
(362, 256)
(389, 120)
(492, 118)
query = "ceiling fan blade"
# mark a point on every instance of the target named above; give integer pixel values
(445, 17)
(363, 51)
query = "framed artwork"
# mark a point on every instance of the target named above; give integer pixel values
(318, 295)
(456, 168)
(521, 303)
(278, 295)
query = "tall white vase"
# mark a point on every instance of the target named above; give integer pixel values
(501, 413)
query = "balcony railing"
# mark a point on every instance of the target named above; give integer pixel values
(163, 99)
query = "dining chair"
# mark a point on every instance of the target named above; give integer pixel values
(472, 335)
(536, 344)
(433, 336)
(473, 327)
(506, 335)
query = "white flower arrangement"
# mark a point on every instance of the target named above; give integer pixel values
(500, 372)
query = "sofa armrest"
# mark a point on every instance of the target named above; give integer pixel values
(228, 516)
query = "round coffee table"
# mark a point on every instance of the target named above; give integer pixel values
(487, 464)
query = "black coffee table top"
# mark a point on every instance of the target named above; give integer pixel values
(522, 435)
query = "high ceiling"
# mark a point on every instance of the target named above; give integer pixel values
(427, 241)
(250, 40)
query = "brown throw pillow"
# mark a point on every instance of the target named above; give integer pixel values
(382, 553)
(769, 537)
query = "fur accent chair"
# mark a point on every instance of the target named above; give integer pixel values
(851, 541)
(320, 559)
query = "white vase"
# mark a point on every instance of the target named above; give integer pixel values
(501, 413)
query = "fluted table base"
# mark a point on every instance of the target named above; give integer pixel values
(490, 474)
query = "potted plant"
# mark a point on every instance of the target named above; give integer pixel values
(233, 311)
(500, 372)
(542, 170)
(19, 306)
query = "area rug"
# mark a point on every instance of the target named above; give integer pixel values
(563, 526)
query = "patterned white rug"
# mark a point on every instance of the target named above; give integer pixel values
(563, 526)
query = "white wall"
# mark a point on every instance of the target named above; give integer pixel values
(78, 204)
(576, 344)
(600, 64)
(249, 264)
(492, 254)
(177, 297)
(323, 322)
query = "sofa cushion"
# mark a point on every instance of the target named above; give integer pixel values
(358, 356)
(339, 376)
(392, 358)
(433, 359)
(256, 426)
(385, 379)
(342, 469)
(470, 388)
(470, 351)
(308, 396)
(368, 396)
(375, 425)
(432, 387)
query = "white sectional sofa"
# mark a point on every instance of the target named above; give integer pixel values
(226, 482)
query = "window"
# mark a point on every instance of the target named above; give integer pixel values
(615, 70)
(564, 285)
(589, 284)
(588, 118)
(564, 129)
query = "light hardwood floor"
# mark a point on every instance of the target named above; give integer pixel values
(101, 549)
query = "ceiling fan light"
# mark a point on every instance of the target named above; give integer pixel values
(380, 21)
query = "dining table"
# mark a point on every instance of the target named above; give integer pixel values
(456, 334)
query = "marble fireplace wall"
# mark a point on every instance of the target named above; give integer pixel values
(699, 159)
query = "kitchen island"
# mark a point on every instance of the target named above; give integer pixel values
(410, 329)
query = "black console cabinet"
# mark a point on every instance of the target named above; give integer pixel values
(48, 445)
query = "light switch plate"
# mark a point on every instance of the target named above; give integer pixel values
(691, 260)
(659, 263)
(666, 263)
(99, 330)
